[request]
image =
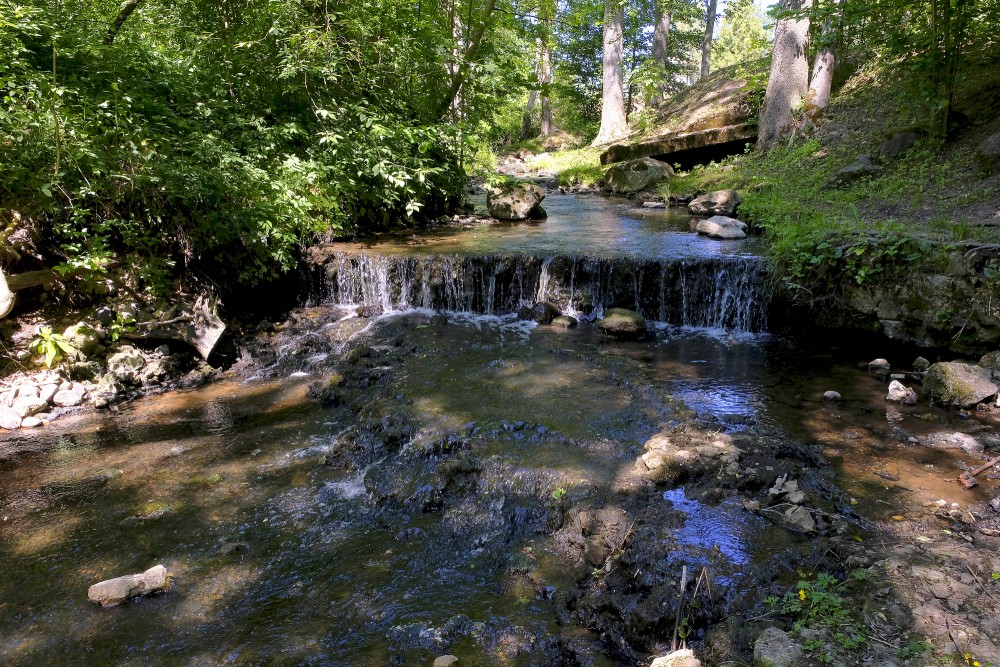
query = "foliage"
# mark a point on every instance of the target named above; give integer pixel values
(820, 605)
(221, 137)
(742, 37)
(52, 348)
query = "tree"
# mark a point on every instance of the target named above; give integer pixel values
(821, 83)
(706, 44)
(613, 120)
(742, 37)
(788, 82)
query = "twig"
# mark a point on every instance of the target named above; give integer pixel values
(951, 635)
(680, 608)
(983, 468)
(982, 585)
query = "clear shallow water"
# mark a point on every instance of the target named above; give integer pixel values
(593, 226)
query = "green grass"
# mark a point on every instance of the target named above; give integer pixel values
(581, 166)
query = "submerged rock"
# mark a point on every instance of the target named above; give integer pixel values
(900, 393)
(776, 648)
(636, 175)
(544, 312)
(116, 591)
(623, 323)
(720, 202)
(516, 201)
(564, 321)
(682, 658)
(721, 227)
(958, 385)
(953, 440)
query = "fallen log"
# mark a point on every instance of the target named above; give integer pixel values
(968, 478)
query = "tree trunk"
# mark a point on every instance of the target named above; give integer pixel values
(706, 44)
(826, 59)
(788, 82)
(545, 78)
(661, 44)
(613, 121)
(471, 52)
(116, 26)
(529, 110)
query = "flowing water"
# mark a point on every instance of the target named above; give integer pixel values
(423, 507)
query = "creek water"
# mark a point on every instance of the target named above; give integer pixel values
(415, 514)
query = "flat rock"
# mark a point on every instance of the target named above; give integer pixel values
(721, 227)
(720, 202)
(121, 589)
(958, 385)
(654, 204)
(953, 440)
(70, 398)
(900, 393)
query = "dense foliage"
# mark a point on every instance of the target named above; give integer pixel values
(222, 135)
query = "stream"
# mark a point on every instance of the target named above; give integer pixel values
(446, 478)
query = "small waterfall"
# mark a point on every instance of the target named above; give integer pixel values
(719, 292)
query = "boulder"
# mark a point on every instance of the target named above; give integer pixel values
(861, 168)
(544, 312)
(958, 385)
(116, 591)
(988, 154)
(636, 175)
(900, 393)
(564, 321)
(991, 361)
(516, 201)
(798, 517)
(776, 648)
(721, 227)
(673, 458)
(682, 658)
(83, 337)
(879, 365)
(47, 391)
(70, 398)
(721, 202)
(29, 406)
(623, 323)
(124, 365)
(898, 144)
(920, 364)
(9, 419)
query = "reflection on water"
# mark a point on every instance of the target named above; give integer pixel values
(577, 226)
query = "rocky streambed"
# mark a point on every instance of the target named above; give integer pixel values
(390, 490)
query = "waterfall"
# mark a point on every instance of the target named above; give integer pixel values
(717, 292)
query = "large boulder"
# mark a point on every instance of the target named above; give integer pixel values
(958, 385)
(623, 323)
(720, 202)
(544, 312)
(83, 337)
(988, 154)
(116, 591)
(682, 658)
(516, 201)
(636, 175)
(721, 227)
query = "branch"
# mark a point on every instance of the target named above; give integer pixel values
(126, 11)
(470, 56)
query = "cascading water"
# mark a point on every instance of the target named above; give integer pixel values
(711, 292)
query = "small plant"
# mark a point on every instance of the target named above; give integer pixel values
(558, 493)
(819, 604)
(123, 324)
(53, 348)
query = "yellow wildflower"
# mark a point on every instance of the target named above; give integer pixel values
(802, 594)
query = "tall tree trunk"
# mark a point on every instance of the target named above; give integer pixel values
(613, 121)
(529, 110)
(788, 82)
(126, 11)
(821, 83)
(545, 78)
(661, 44)
(706, 44)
